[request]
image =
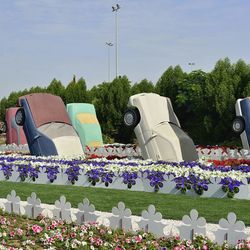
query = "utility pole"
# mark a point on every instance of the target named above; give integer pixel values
(115, 9)
(109, 44)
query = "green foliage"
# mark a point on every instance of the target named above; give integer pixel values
(110, 102)
(221, 86)
(168, 84)
(242, 70)
(76, 92)
(190, 101)
(3, 106)
(56, 88)
(143, 86)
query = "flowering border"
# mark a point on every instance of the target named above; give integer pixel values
(140, 175)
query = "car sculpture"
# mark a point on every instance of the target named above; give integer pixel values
(47, 125)
(241, 123)
(14, 133)
(84, 120)
(157, 129)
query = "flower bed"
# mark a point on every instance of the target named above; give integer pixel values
(205, 178)
(45, 233)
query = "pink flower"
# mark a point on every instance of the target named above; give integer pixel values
(128, 240)
(37, 229)
(19, 232)
(205, 247)
(138, 238)
(92, 240)
(73, 235)
(98, 241)
(3, 221)
(12, 234)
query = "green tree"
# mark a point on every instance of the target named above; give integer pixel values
(143, 86)
(242, 70)
(191, 104)
(56, 88)
(168, 84)
(220, 89)
(36, 89)
(3, 106)
(76, 92)
(111, 102)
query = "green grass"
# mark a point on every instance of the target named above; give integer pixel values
(171, 206)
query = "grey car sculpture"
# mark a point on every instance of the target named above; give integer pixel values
(157, 129)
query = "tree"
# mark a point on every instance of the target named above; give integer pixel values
(3, 106)
(36, 89)
(168, 84)
(242, 70)
(76, 92)
(111, 101)
(144, 86)
(221, 97)
(56, 88)
(191, 104)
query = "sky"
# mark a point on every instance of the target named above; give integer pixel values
(45, 39)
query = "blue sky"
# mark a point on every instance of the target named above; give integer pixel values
(46, 39)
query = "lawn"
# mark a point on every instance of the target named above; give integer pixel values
(171, 206)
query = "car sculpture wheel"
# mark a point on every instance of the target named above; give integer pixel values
(20, 117)
(131, 117)
(238, 125)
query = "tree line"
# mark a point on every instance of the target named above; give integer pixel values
(204, 102)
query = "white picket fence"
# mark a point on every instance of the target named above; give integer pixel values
(228, 229)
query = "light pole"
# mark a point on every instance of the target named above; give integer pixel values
(115, 9)
(191, 64)
(109, 44)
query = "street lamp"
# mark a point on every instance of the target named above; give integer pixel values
(191, 64)
(115, 9)
(109, 44)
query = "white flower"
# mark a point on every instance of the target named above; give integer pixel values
(73, 245)
(84, 243)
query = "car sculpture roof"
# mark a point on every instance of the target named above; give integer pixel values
(46, 108)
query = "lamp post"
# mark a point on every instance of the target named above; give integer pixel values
(191, 64)
(109, 44)
(115, 9)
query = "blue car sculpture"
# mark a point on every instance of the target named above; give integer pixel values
(47, 126)
(241, 123)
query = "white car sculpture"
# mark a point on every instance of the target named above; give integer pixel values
(157, 129)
